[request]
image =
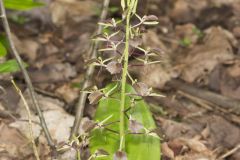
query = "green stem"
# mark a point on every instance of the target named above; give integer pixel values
(78, 155)
(123, 83)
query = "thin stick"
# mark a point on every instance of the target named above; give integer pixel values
(232, 151)
(212, 107)
(25, 74)
(29, 120)
(230, 104)
(83, 96)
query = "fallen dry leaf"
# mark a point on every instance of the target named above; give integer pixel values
(13, 143)
(225, 79)
(158, 75)
(181, 11)
(205, 132)
(185, 11)
(229, 81)
(26, 47)
(46, 103)
(58, 120)
(202, 59)
(66, 10)
(151, 39)
(236, 32)
(194, 145)
(166, 151)
(222, 134)
(55, 72)
(174, 129)
(8, 96)
(67, 92)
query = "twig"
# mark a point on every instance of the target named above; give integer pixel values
(232, 151)
(83, 96)
(212, 107)
(196, 100)
(227, 103)
(29, 120)
(25, 74)
(7, 114)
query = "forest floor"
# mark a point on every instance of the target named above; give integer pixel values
(198, 119)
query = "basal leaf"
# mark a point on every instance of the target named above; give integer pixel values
(3, 50)
(21, 4)
(138, 146)
(9, 66)
(4, 40)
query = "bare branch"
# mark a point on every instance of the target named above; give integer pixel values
(93, 54)
(230, 104)
(229, 153)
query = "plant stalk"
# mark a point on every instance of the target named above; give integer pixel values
(30, 126)
(83, 96)
(123, 83)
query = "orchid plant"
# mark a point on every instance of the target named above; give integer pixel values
(123, 127)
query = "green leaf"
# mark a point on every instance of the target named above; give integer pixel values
(9, 66)
(19, 19)
(138, 146)
(21, 4)
(3, 50)
(4, 40)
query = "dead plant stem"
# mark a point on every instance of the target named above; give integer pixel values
(232, 151)
(29, 120)
(83, 96)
